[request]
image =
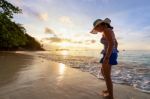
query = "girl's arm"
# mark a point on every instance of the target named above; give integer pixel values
(116, 43)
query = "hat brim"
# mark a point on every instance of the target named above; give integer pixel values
(93, 31)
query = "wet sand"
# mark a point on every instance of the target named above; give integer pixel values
(25, 76)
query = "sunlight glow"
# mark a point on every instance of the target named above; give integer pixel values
(65, 53)
(64, 44)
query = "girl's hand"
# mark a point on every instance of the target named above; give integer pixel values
(106, 60)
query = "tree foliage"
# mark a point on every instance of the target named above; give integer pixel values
(13, 35)
(8, 9)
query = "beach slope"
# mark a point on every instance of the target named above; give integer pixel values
(24, 76)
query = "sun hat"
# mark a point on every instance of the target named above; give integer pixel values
(99, 21)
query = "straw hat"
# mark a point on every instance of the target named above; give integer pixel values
(99, 21)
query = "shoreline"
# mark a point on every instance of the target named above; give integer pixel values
(34, 77)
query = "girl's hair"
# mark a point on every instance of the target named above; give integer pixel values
(107, 25)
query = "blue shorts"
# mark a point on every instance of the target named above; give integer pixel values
(112, 59)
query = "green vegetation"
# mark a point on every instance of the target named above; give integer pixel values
(13, 36)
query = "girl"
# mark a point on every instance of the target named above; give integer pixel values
(110, 52)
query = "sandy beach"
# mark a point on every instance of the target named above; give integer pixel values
(26, 76)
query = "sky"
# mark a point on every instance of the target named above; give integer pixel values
(68, 22)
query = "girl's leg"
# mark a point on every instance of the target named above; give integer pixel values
(104, 91)
(107, 74)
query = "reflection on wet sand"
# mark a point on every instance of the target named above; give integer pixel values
(61, 69)
(28, 77)
(10, 66)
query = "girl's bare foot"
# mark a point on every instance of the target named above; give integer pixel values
(104, 93)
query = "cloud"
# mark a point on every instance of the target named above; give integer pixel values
(49, 31)
(119, 38)
(43, 16)
(33, 12)
(57, 39)
(66, 21)
(91, 41)
(30, 11)
(16, 2)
